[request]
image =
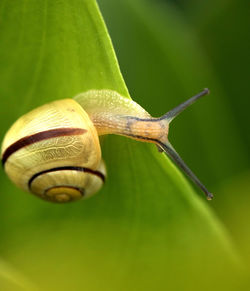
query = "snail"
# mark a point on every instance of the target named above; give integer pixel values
(54, 152)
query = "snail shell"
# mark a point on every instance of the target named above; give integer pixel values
(54, 152)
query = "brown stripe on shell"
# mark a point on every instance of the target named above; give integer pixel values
(43, 135)
(65, 168)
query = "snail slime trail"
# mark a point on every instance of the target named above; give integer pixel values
(54, 151)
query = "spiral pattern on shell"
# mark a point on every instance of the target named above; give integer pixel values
(60, 164)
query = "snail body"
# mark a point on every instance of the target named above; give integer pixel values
(54, 152)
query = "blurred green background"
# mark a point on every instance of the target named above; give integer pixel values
(168, 50)
(135, 235)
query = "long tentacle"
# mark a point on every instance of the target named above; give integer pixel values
(171, 152)
(170, 115)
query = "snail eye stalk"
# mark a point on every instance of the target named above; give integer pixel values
(171, 152)
(169, 149)
(170, 115)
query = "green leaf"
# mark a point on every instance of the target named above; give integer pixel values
(147, 224)
(11, 279)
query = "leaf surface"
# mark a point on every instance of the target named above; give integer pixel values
(147, 224)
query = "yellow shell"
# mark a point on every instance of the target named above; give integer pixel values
(61, 163)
